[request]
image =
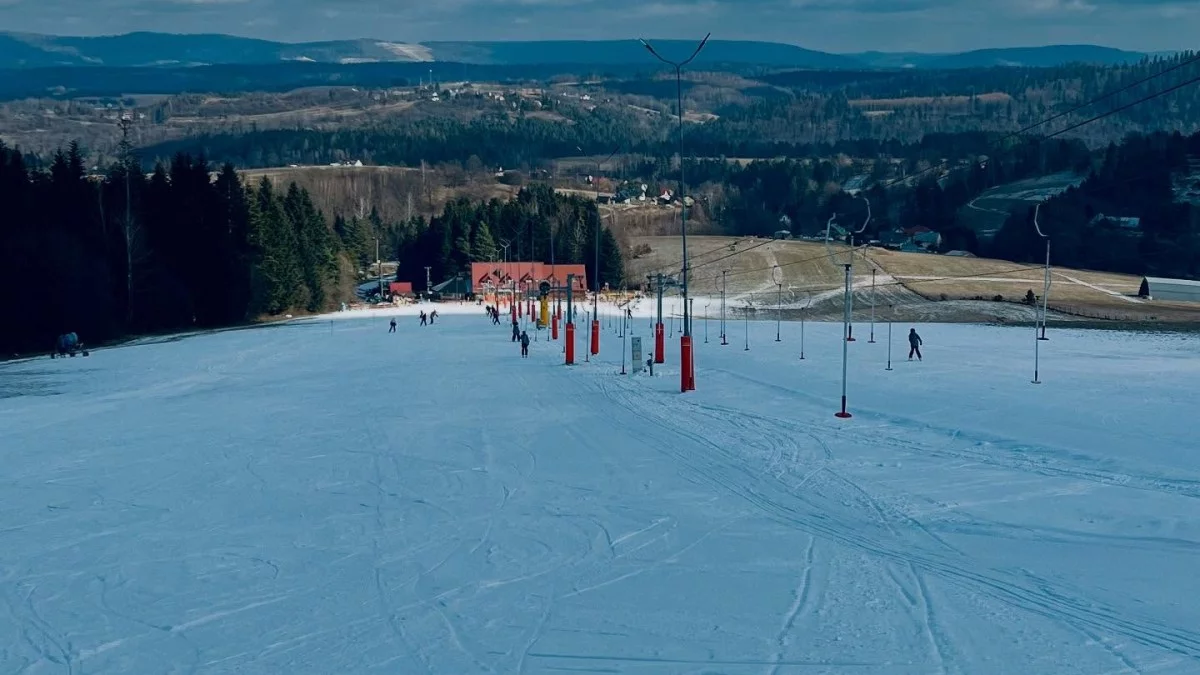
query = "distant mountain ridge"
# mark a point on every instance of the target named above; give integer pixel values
(1028, 57)
(27, 50)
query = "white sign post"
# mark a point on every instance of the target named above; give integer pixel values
(636, 348)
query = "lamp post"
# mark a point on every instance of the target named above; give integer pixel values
(504, 245)
(595, 346)
(746, 322)
(723, 280)
(891, 311)
(777, 274)
(872, 340)
(1037, 339)
(803, 312)
(1046, 289)
(379, 269)
(708, 301)
(844, 414)
(687, 373)
(850, 320)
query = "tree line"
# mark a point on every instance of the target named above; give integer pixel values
(125, 253)
(752, 199)
(537, 224)
(1154, 178)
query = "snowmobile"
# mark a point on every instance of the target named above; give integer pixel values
(68, 344)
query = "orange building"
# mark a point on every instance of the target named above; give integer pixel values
(527, 276)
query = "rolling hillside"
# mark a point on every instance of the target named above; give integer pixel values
(915, 286)
(26, 50)
(1028, 57)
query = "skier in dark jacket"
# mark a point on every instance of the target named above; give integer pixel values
(524, 345)
(424, 319)
(432, 316)
(914, 343)
(516, 330)
(392, 328)
(67, 344)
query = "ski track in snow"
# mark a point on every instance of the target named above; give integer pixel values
(323, 497)
(798, 607)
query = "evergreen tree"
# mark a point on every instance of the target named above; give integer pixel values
(612, 265)
(277, 260)
(483, 247)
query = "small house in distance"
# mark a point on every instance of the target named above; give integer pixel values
(1173, 290)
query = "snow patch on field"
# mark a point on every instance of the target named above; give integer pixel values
(322, 496)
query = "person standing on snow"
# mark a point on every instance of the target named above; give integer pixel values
(392, 329)
(524, 345)
(424, 319)
(432, 316)
(516, 335)
(914, 343)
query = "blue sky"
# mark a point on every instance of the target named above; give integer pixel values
(829, 25)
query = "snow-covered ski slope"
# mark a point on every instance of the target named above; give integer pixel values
(323, 497)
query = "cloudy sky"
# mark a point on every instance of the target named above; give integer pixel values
(829, 25)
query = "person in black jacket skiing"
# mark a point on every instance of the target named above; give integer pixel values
(524, 345)
(516, 334)
(914, 344)
(392, 329)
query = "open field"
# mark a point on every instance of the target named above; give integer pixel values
(937, 287)
(749, 262)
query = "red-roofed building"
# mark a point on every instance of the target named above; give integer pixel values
(400, 288)
(527, 275)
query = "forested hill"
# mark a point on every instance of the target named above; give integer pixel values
(822, 109)
(1154, 179)
(186, 251)
(1137, 209)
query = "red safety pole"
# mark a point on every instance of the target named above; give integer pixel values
(687, 376)
(659, 343)
(595, 337)
(553, 326)
(570, 343)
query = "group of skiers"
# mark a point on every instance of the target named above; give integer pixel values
(426, 319)
(494, 314)
(521, 336)
(518, 335)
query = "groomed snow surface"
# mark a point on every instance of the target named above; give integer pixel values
(326, 497)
